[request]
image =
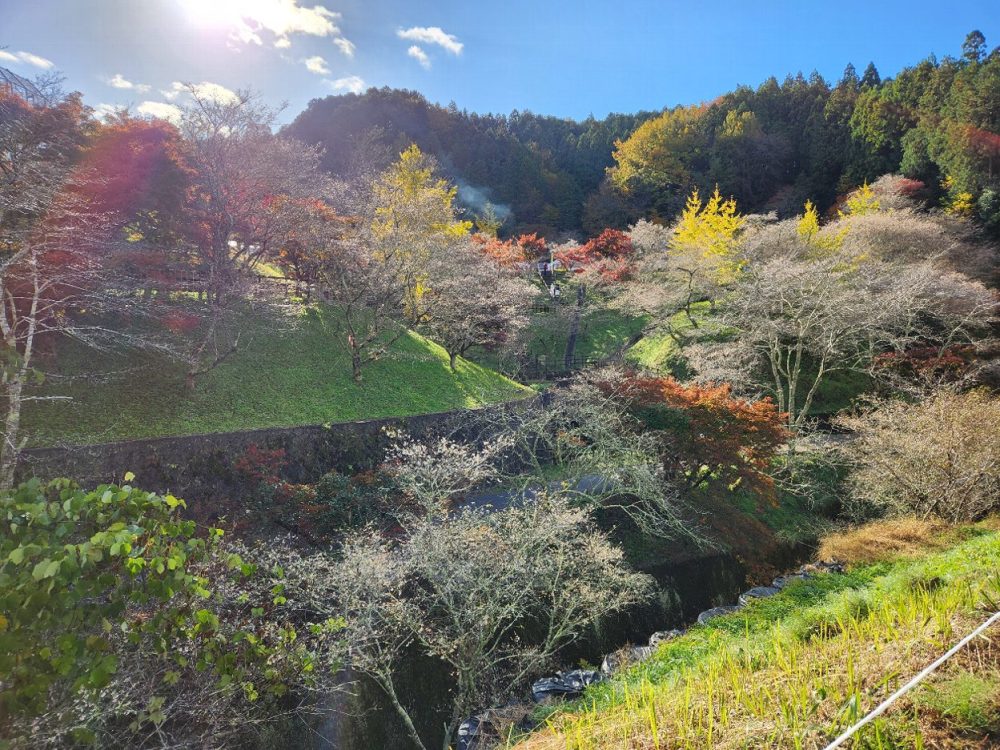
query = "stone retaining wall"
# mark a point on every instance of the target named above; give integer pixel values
(200, 468)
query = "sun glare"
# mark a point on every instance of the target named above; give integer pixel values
(219, 13)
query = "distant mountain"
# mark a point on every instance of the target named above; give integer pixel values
(538, 170)
(772, 148)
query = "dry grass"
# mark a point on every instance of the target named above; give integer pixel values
(887, 540)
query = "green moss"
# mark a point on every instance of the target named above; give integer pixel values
(280, 376)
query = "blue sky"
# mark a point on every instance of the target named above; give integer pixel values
(567, 59)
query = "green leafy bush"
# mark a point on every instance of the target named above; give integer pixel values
(118, 615)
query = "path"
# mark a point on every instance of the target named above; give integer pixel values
(581, 293)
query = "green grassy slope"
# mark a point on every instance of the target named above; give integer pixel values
(281, 376)
(797, 668)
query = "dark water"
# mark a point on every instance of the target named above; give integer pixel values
(364, 720)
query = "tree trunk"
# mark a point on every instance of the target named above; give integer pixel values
(390, 690)
(356, 367)
(11, 448)
(452, 356)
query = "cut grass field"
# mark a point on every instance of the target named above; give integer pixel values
(795, 669)
(295, 373)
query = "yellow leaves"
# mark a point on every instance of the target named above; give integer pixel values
(709, 232)
(808, 230)
(808, 225)
(861, 202)
(961, 205)
(410, 198)
(415, 218)
(957, 202)
(653, 155)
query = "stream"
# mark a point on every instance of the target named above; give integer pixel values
(363, 718)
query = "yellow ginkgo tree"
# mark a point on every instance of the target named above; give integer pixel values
(415, 216)
(821, 244)
(706, 235)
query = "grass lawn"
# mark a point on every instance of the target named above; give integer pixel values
(285, 375)
(795, 669)
(603, 332)
(659, 351)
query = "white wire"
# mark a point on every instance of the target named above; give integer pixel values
(884, 705)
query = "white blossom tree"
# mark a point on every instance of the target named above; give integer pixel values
(493, 596)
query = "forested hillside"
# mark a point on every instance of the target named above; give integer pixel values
(536, 170)
(771, 148)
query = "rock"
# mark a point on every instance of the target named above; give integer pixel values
(711, 614)
(624, 657)
(564, 685)
(758, 592)
(823, 566)
(486, 729)
(470, 734)
(664, 635)
(781, 581)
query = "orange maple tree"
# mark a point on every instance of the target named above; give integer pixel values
(707, 433)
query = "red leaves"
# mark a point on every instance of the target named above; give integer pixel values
(707, 431)
(179, 322)
(261, 465)
(928, 360)
(610, 256)
(511, 253)
(137, 165)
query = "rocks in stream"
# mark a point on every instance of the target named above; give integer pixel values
(564, 685)
(572, 683)
(488, 728)
(625, 657)
(807, 571)
(711, 614)
(757, 592)
(660, 636)
(781, 581)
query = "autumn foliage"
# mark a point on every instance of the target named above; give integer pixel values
(610, 256)
(513, 252)
(708, 434)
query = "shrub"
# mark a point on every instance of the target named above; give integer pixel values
(343, 502)
(938, 458)
(120, 620)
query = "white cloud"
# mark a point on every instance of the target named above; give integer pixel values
(432, 35)
(118, 81)
(420, 56)
(161, 110)
(173, 92)
(345, 46)
(249, 19)
(213, 92)
(26, 57)
(317, 65)
(354, 84)
(104, 111)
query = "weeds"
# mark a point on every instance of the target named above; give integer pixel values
(798, 668)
